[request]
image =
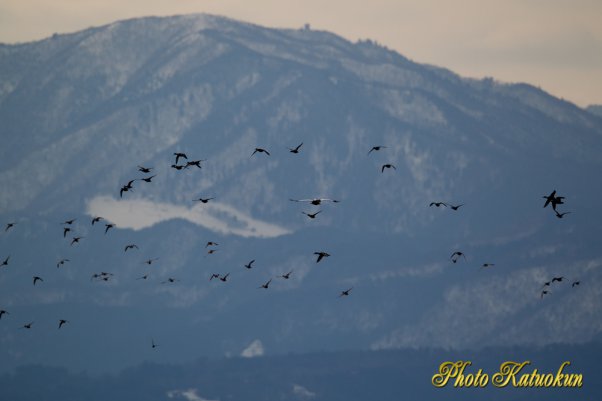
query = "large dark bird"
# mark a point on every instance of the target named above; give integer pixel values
(388, 165)
(108, 227)
(75, 240)
(153, 345)
(179, 155)
(9, 226)
(69, 222)
(377, 148)
(148, 179)
(3, 312)
(456, 207)
(169, 280)
(260, 150)
(561, 215)
(438, 204)
(177, 167)
(213, 275)
(211, 243)
(130, 246)
(5, 261)
(65, 231)
(62, 322)
(266, 284)
(96, 219)
(150, 261)
(250, 264)
(143, 277)
(224, 278)
(345, 293)
(456, 255)
(559, 279)
(145, 170)
(196, 163)
(315, 201)
(311, 215)
(321, 255)
(27, 326)
(544, 292)
(36, 279)
(295, 150)
(286, 276)
(575, 283)
(61, 262)
(553, 200)
(203, 200)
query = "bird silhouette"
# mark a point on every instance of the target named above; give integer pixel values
(456, 255)
(561, 215)
(69, 222)
(376, 148)
(65, 231)
(179, 155)
(150, 261)
(9, 226)
(455, 207)
(559, 279)
(130, 246)
(546, 284)
(553, 200)
(108, 227)
(196, 163)
(169, 280)
(143, 277)
(127, 187)
(203, 200)
(148, 179)
(315, 201)
(75, 240)
(211, 251)
(211, 243)
(286, 276)
(5, 261)
(250, 264)
(96, 219)
(345, 293)
(544, 292)
(213, 275)
(295, 150)
(145, 170)
(36, 279)
(266, 284)
(177, 167)
(311, 215)
(61, 262)
(62, 322)
(388, 165)
(260, 150)
(484, 265)
(224, 278)
(438, 204)
(575, 283)
(321, 255)
(153, 345)
(3, 312)
(27, 326)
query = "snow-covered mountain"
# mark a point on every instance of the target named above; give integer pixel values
(81, 111)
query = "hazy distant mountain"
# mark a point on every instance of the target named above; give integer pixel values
(81, 111)
(595, 108)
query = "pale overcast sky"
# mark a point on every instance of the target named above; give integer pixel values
(553, 44)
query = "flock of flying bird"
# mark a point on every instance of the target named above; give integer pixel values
(212, 246)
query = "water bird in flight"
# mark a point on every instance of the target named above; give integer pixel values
(559, 279)
(196, 163)
(69, 222)
(544, 292)
(561, 215)
(3, 312)
(130, 246)
(213, 275)
(266, 284)
(9, 226)
(27, 326)
(311, 215)
(65, 231)
(61, 262)
(286, 276)
(179, 155)
(388, 165)
(150, 261)
(169, 280)
(376, 148)
(148, 179)
(315, 201)
(75, 240)
(260, 150)
(250, 264)
(575, 283)
(36, 279)
(553, 200)
(456, 207)
(321, 255)
(203, 200)
(5, 261)
(295, 150)
(108, 227)
(345, 293)
(96, 219)
(145, 170)
(62, 322)
(211, 243)
(456, 255)
(438, 204)
(224, 278)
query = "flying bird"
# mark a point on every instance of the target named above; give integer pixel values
(169, 280)
(311, 215)
(36, 279)
(96, 219)
(211, 243)
(153, 345)
(575, 283)
(27, 326)
(286, 276)
(250, 264)
(345, 293)
(553, 200)
(148, 179)
(224, 278)
(65, 231)
(315, 201)
(75, 240)
(321, 255)
(561, 215)
(3, 312)
(266, 284)
(9, 226)
(295, 150)
(456, 207)
(143, 277)
(150, 261)
(260, 150)
(144, 170)
(211, 251)
(559, 279)
(544, 292)
(487, 265)
(5, 261)
(213, 275)
(388, 165)
(196, 163)
(456, 255)
(438, 204)
(62, 322)
(108, 227)
(130, 246)
(61, 262)
(203, 200)
(377, 148)
(179, 155)
(177, 167)
(69, 222)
